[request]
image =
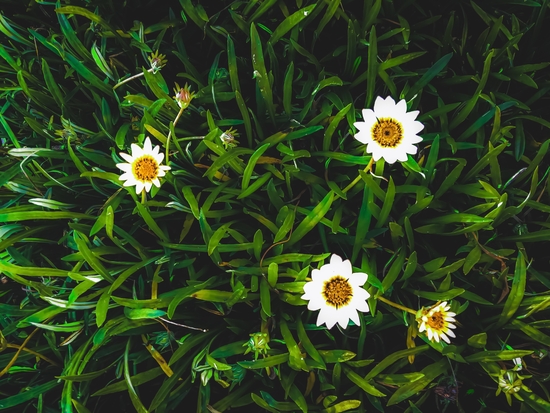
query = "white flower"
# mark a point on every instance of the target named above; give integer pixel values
(436, 321)
(143, 168)
(337, 292)
(389, 131)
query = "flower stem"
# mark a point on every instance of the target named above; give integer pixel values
(130, 78)
(354, 182)
(385, 300)
(170, 133)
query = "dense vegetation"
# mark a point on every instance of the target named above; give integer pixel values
(188, 297)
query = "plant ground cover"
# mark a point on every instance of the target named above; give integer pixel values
(193, 294)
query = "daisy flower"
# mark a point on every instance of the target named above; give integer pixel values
(389, 131)
(144, 167)
(183, 96)
(510, 383)
(157, 61)
(436, 322)
(337, 292)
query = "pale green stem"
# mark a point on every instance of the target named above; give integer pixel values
(354, 182)
(385, 300)
(170, 133)
(131, 78)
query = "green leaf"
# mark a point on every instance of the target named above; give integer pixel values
(394, 357)
(362, 383)
(287, 89)
(269, 361)
(311, 220)
(363, 222)
(8, 28)
(478, 340)
(372, 66)
(399, 60)
(262, 403)
(138, 405)
(52, 85)
(456, 218)
(262, 9)
(497, 355)
(333, 125)
(31, 271)
(371, 16)
(150, 221)
(534, 401)
(27, 395)
(387, 205)
(309, 347)
(288, 23)
(336, 356)
(431, 73)
(81, 241)
(102, 307)
(140, 313)
(87, 74)
(157, 84)
(265, 298)
(258, 183)
(516, 293)
(394, 270)
(298, 398)
(191, 200)
(327, 17)
(138, 379)
(471, 103)
(93, 17)
(440, 296)
(102, 63)
(251, 164)
(80, 408)
(531, 332)
(216, 364)
(49, 215)
(430, 374)
(342, 406)
(260, 71)
(295, 361)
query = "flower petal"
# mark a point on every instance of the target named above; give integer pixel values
(126, 167)
(137, 152)
(126, 157)
(329, 314)
(147, 147)
(139, 187)
(130, 181)
(358, 279)
(335, 259)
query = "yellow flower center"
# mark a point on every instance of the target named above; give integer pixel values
(337, 291)
(387, 132)
(436, 321)
(145, 168)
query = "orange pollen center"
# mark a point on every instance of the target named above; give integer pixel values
(387, 132)
(436, 321)
(145, 169)
(337, 291)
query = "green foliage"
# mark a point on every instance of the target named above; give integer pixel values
(190, 297)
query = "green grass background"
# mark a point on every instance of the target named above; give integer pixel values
(92, 275)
